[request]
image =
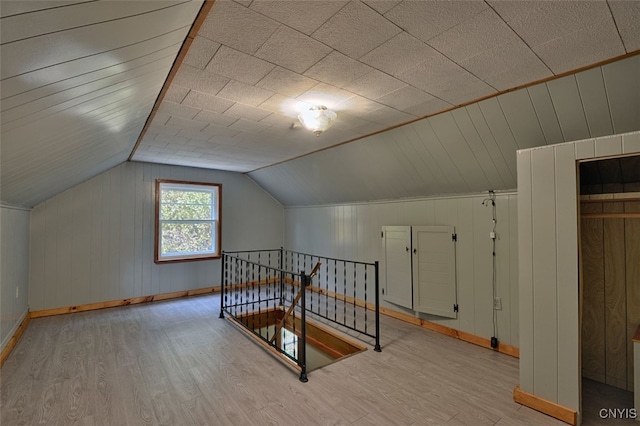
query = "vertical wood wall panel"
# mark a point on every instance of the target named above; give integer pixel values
(545, 272)
(514, 303)
(14, 269)
(615, 298)
(593, 326)
(545, 335)
(95, 241)
(631, 143)
(546, 113)
(610, 145)
(472, 222)
(594, 99)
(632, 254)
(569, 109)
(567, 274)
(525, 271)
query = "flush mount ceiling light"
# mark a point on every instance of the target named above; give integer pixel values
(317, 118)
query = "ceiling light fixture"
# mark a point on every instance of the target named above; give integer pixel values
(317, 118)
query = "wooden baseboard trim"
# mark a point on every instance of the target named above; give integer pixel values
(123, 302)
(452, 332)
(549, 408)
(14, 339)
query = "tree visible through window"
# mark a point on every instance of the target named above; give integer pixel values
(187, 221)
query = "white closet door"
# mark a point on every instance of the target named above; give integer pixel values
(396, 247)
(434, 270)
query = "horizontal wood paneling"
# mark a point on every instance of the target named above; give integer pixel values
(94, 242)
(353, 231)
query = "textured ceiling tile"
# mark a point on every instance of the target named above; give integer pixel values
(389, 116)
(507, 66)
(337, 69)
(427, 19)
(236, 26)
(249, 126)
(627, 17)
(184, 123)
(485, 31)
(405, 98)
(238, 66)
(207, 102)
(243, 93)
(325, 94)
(282, 105)
(358, 106)
(304, 16)
(177, 110)
(429, 107)
(176, 93)
(374, 85)
(355, 30)
(286, 83)
(247, 111)
(581, 48)
(199, 80)
(539, 22)
(215, 118)
(382, 6)
(399, 54)
(193, 134)
(292, 50)
(200, 52)
(220, 132)
(278, 120)
(434, 75)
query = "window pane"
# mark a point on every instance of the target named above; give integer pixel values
(185, 212)
(186, 197)
(187, 238)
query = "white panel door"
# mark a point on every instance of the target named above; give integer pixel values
(396, 248)
(434, 270)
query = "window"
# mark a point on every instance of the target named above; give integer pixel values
(187, 221)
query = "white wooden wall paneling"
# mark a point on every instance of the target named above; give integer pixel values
(503, 268)
(546, 114)
(569, 109)
(631, 143)
(447, 132)
(544, 275)
(94, 242)
(514, 303)
(14, 269)
(497, 154)
(521, 116)
(525, 269)
(484, 159)
(361, 229)
(609, 145)
(466, 277)
(566, 219)
(482, 268)
(594, 99)
(495, 119)
(624, 98)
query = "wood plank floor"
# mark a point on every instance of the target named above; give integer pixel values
(176, 363)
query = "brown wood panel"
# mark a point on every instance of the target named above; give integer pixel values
(632, 255)
(592, 329)
(615, 309)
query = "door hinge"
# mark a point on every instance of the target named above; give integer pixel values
(454, 237)
(382, 234)
(455, 308)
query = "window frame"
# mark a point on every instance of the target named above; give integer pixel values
(157, 257)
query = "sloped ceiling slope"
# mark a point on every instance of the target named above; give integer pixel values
(78, 81)
(469, 149)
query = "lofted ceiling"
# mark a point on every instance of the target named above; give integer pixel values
(86, 85)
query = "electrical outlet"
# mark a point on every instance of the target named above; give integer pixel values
(17, 292)
(497, 303)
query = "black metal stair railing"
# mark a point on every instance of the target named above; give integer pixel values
(255, 295)
(343, 292)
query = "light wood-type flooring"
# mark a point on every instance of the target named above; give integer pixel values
(176, 363)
